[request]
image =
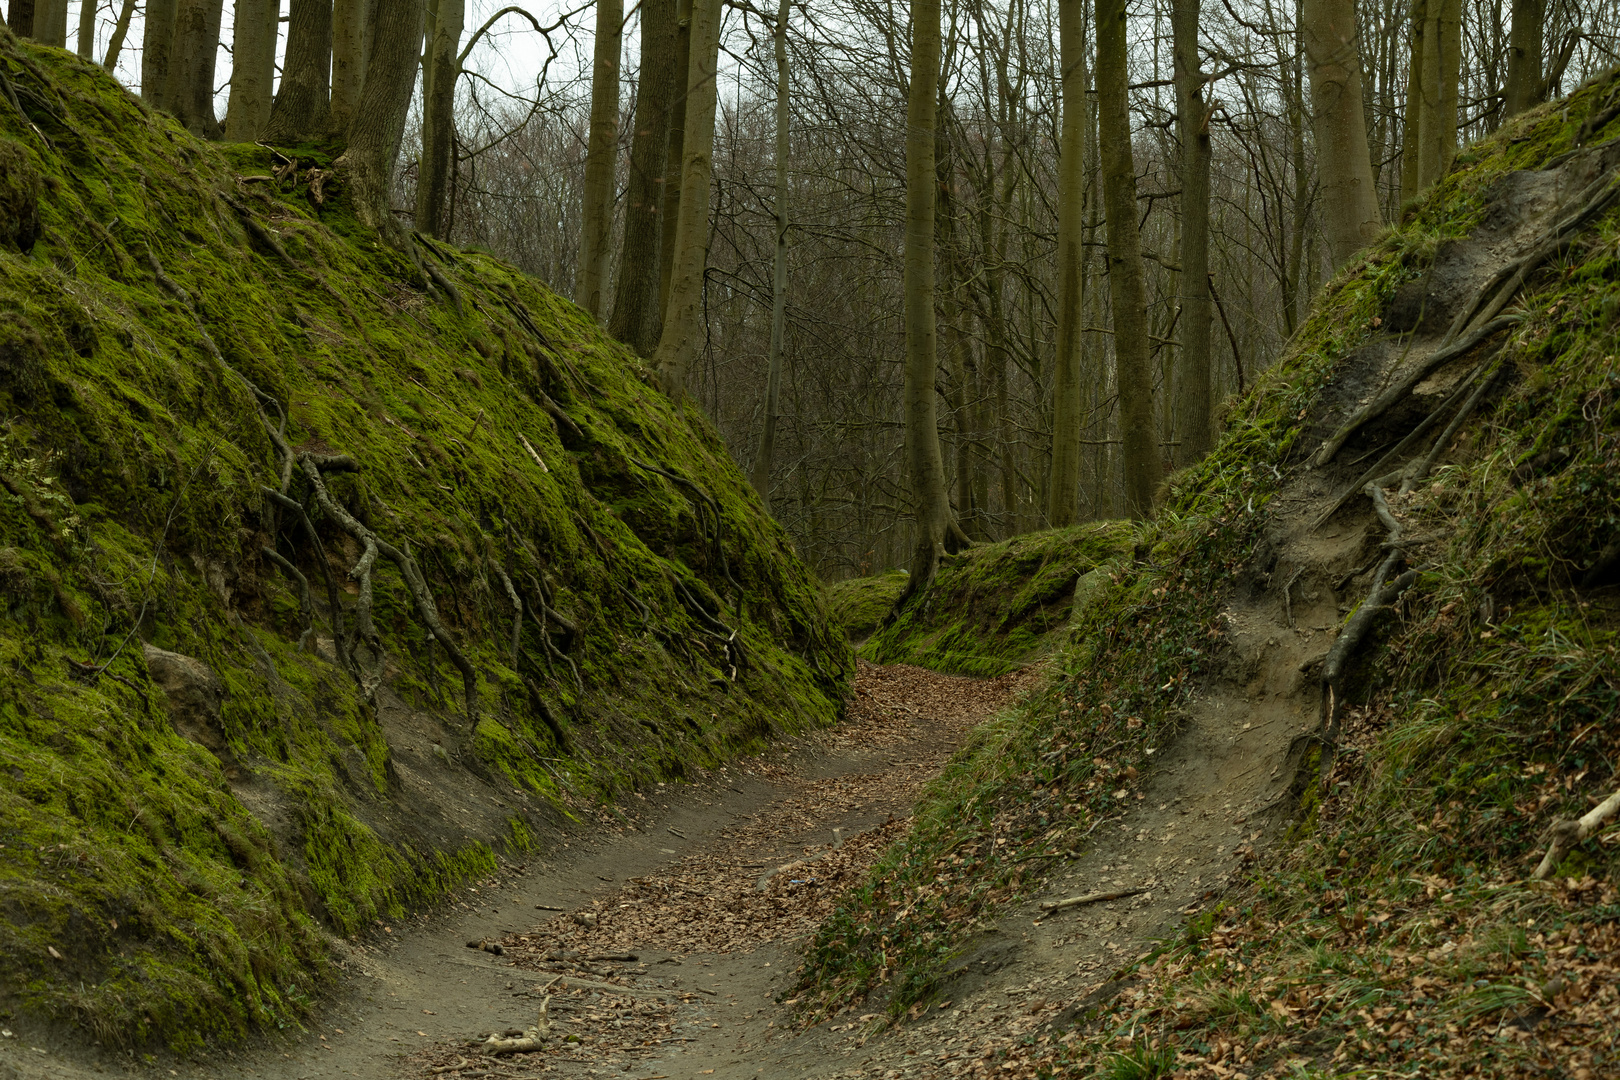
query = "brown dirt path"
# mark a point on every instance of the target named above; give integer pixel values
(677, 884)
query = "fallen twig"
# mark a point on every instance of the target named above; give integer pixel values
(1092, 898)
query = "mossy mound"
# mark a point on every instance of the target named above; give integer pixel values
(859, 605)
(1483, 706)
(195, 787)
(996, 606)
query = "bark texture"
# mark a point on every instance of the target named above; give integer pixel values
(635, 297)
(1333, 56)
(115, 45)
(675, 155)
(195, 47)
(253, 69)
(87, 29)
(1524, 87)
(1436, 99)
(156, 41)
(773, 372)
(596, 216)
(349, 21)
(379, 118)
(1063, 489)
(20, 17)
(683, 329)
(1192, 390)
(440, 73)
(50, 22)
(924, 465)
(304, 100)
(1127, 287)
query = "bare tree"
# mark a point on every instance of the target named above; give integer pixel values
(441, 71)
(1342, 162)
(350, 18)
(1192, 116)
(303, 101)
(1525, 87)
(253, 68)
(596, 219)
(379, 117)
(157, 38)
(773, 378)
(1068, 393)
(636, 294)
(683, 329)
(190, 95)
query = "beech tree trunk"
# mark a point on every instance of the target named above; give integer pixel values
(1524, 87)
(20, 17)
(635, 297)
(379, 117)
(50, 22)
(440, 73)
(596, 216)
(1349, 202)
(349, 20)
(253, 69)
(304, 100)
(683, 329)
(773, 373)
(190, 95)
(1068, 401)
(1127, 287)
(1436, 99)
(115, 44)
(156, 41)
(924, 466)
(1193, 392)
(675, 156)
(1411, 155)
(87, 29)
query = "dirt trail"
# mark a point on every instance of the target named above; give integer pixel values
(678, 886)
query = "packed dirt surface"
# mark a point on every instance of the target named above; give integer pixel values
(706, 887)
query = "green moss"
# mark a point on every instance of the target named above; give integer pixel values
(997, 606)
(859, 605)
(132, 511)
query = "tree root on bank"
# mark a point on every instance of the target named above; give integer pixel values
(1383, 593)
(1482, 317)
(313, 465)
(306, 611)
(1566, 834)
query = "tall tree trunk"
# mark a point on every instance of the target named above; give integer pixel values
(349, 21)
(304, 101)
(156, 41)
(635, 297)
(674, 158)
(440, 73)
(683, 331)
(190, 95)
(773, 376)
(596, 217)
(1437, 91)
(120, 31)
(253, 68)
(50, 22)
(87, 29)
(1411, 118)
(1193, 390)
(1524, 86)
(1342, 161)
(924, 466)
(20, 17)
(1127, 286)
(379, 116)
(1068, 405)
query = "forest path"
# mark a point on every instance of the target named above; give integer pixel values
(677, 886)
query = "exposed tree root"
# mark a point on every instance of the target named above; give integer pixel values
(306, 610)
(1566, 834)
(1421, 473)
(1383, 593)
(427, 611)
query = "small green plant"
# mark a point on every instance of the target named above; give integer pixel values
(1140, 1062)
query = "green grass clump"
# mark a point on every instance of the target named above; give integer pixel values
(171, 885)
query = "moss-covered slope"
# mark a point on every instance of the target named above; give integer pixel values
(197, 777)
(1400, 930)
(990, 608)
